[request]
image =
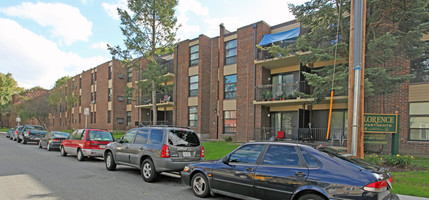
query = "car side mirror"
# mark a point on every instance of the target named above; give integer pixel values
(225, 160)
(118, 139)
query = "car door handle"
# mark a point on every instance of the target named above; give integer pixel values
(250, 169)
(301, 174)
(141, 148)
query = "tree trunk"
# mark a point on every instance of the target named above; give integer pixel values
(42, 123)
(155, 113)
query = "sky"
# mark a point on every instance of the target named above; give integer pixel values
(44, 40)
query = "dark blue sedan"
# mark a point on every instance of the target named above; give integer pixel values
(273, 170)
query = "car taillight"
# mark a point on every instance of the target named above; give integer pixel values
(165, 151)
(378, 186)
(87, 143)
(202, 152)
(391, 179)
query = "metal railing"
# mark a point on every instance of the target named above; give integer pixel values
(337, 137)
(146, 99)
(281, 91)
(158, 123)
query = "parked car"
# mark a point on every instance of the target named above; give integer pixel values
(16, 132)
(52, 140)
(31, 133)
(273, 170)
(154, 150)
(86, 143)
(9, 133)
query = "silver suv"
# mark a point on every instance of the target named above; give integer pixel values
(154, 150)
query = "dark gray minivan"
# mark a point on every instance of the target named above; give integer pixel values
(154, 150)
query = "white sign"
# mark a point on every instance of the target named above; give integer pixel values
(18, 119)
(86, 111)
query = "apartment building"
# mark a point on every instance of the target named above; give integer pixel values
(225, 86)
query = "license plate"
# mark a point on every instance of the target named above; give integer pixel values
(102, 146)
(186, 154)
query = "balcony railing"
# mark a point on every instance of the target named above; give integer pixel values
(281, 91)
(337, 137)
(146, 99)
(169, 66)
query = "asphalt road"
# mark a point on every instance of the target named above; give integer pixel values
(27, 172)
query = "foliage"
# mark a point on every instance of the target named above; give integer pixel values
(392, 160)
(61, 96)
(394, 29)
(149, 27)
(37, 108)
(8, 87)
(374, 159)
(117, 134)
(227, 138)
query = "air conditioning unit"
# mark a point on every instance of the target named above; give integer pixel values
(121, 76)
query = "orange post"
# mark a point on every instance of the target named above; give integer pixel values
(330, 114)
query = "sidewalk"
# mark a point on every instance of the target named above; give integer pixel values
(405, 197)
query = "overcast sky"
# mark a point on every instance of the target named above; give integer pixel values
(43, 40)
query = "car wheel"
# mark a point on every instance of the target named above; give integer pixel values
(148, 171)
(80, 156)
(24, 141)
(18, 140)
(48, 146)
(110, 162)
(62, 151)
(200, 185)
(311, 197)
(40, 144)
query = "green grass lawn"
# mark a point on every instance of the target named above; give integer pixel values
(218, 149)
(4, 129)
(414, 183)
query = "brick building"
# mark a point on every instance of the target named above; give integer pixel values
(224, 86)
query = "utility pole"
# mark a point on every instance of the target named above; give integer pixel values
(356, 78)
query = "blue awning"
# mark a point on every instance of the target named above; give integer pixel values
(275, 37)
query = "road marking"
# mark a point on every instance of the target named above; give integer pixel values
(23, 186)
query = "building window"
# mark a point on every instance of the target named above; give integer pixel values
(80, 100)
(420, 68)
(121, 99)
(80, 118)
(128, 100)
(120, 120)
(419, 121)
(95, 96)
(109, 93)
(229, 122)
(128, 118)
(193, 86)
(95, 117)
(80, 82)
(130, 74)
(92, 78)
(109, 116)
(95, 77)
(92, 97)
(230, 87)
(110, 72)
(90, 118)
(194, 52)
(193, 116)
(231, 52)
(73, 121)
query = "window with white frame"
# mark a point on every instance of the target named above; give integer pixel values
(419, 121)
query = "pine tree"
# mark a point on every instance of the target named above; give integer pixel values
(149, 27)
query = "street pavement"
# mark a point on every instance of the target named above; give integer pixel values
(27, 172)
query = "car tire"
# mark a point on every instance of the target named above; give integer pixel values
(311, 197)
(110, 162)
(48, 146)
(80, 156)
(63, 151)
(40, 144)
(200, 185)
(18, 140)
(148, 171)
(24, 141)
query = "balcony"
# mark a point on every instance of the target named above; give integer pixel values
(269, 61)
(281, 92)
(162, 100)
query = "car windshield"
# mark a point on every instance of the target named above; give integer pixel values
(356, 161)
(36, 127)
(60, 134)
(183, 138)
(100, 136)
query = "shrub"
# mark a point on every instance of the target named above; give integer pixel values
(228, 139)
(398, 160)
(374, 159)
